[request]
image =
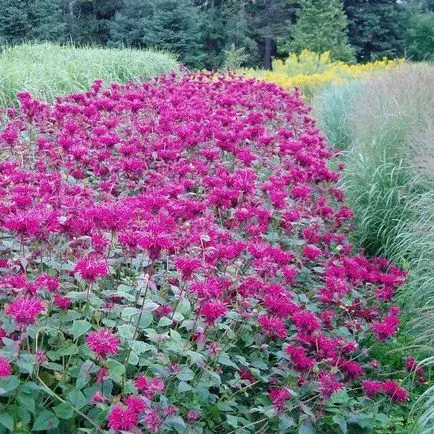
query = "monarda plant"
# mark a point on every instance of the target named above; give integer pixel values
(174, 259)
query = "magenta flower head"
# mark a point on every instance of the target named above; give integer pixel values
(91, 270)
(371, 388)
(122, 418)
(149, 387)
(278, 398)
(212, 310)
(193, 415)
(187, 266)
(103, 342)
(24, 310)
(5, 367)
(328, 384)
(394, 391)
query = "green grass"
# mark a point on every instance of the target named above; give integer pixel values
(385, 129)
(47, 70)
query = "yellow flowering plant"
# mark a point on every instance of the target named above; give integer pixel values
(312, 71)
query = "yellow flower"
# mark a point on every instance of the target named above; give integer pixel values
(312, 71)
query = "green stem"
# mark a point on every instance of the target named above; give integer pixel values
(54, 395)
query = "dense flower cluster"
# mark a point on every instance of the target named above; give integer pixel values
(194, 223)
(311, 72)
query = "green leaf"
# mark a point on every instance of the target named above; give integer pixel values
(116, 370)
(22, 415)
(185, 375)
(27, 400)
(7, 421)
(8, 384)
(66, 350)
(128, 313)
(183, 387)
(133, 359)
(164, 322)
(149, 306)
(232, 420)
(46, 421)
(140, 347)
(306, 428)
(286, 422)
(195, 357)
(184, 306)
(77, 399)
(225, 360)
(341, 422)
(146, 320)
(175, 336)
(126, 331)
(25, 367)
(64, 410)
(80, 327)
(340, 397)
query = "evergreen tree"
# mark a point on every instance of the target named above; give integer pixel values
(14, 21)
(46, 18)
(321, 25)
(225, 32)
(420, 37)
(213, 27)
(269, 22)
(376, 27)
(174, 26)
(89, 20)
(239, 40)
(130, 23)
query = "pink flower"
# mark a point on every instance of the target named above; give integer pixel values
(187, 266)
(41, 357)
(352, 369)
(302, 363)
(386, 328)
(91, 270)
(193, 415)
(5, 367)
(103, 342)
(97, 398)
(312, 252)
(245, 374)
(328, 384)
(135, 403)
(214, 348)
(62, 302)
(24, 310)
(149, 387)
(394, 391)
(306, 321)
(212, 311)
(102, 375)
(412, 366)
(371, 388)
(152, 421)
(272, 327)
(122, 418)
(279, 397)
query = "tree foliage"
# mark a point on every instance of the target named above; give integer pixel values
(322, 26)
(221, 33)
(420, 37)
(376, 27)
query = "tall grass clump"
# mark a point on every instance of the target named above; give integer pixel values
(384, 127)
(47, 70)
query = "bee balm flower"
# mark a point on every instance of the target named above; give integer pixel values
(103, 342)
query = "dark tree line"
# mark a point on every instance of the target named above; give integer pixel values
(218, 33)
